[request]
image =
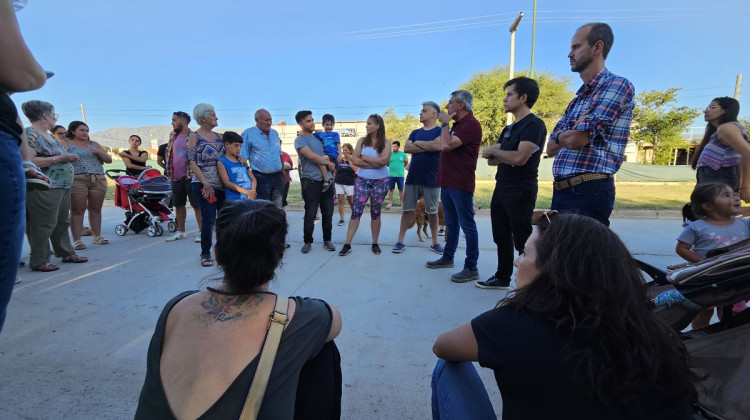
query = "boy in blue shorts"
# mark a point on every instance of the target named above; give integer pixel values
(331, 146)
(238, 179)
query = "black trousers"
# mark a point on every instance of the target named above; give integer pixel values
(312, 193)
(319, 389)
(510, 212)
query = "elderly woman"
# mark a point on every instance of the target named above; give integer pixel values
(204, 148)
(47, 211)
(577, 339)
(204, 352)
(134, 158)
(89, 183)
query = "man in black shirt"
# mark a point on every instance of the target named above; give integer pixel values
(517, 156)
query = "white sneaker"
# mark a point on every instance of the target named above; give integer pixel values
(177, 236)
(198, 238)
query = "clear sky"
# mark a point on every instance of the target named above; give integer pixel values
(132, 63)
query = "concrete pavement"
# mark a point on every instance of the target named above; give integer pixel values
(74, 344)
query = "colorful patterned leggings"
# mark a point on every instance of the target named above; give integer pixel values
(375, 190)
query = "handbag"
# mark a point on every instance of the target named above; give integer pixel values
(279, 318)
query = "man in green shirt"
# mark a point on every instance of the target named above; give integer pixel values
(399, 162)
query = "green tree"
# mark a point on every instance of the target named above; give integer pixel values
(488, 91)
(658, 120)
(745, 122)
(399, 128)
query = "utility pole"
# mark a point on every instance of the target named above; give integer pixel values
(513, 27)
(533, 41)
(737, 87)
(83, 113)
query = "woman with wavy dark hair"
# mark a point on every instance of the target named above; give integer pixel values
(577, 339)
(724, 153)
(371, 156)
(204, 351)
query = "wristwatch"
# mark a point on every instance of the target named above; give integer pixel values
(445, 124)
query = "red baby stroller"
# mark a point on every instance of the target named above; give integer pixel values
(718, 352)
(141, 198)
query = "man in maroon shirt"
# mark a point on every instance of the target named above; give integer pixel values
(459, 147)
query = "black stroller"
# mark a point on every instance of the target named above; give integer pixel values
(719, 351)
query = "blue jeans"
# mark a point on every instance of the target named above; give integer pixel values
(593, 198)
(458, 208)
(458, 393)
(270, 187)
(208, 215)
(12, 217)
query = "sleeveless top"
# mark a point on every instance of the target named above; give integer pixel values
(368, 173)
(87, 163)
(301, 341)
(717, 154)
(141, 166)
(206, 154)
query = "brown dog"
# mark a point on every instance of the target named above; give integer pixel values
(420, 219)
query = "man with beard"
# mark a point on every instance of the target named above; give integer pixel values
(176, 169)
(589, 141)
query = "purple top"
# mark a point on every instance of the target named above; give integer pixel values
(717, 154)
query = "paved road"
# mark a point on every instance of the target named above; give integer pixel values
(74, 345)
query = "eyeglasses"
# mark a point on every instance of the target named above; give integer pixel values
(53, 116)
(182, 114)
(549, 213)
(59, 133)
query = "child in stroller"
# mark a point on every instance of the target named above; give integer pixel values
(141, 198)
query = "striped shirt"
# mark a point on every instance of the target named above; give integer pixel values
(603, 107)
(717, 154)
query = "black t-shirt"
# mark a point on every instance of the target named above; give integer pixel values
(529, 128)
(527, 358)
(162, 151)
(345, 175)
(8, 117)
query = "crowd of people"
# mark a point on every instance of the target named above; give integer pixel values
(578, 297)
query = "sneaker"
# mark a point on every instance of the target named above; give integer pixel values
(328, 245)
(306, 248)
(198, 238)
(317, 219)
(441, 232)
(437, 248)
(493, 283)
(177, 236)
(375, 249)
(398, 248)
(465, 275)
(440, 263)
(341, 223)
(345, 250)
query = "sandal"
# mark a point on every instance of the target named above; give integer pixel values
(327, 184)
(78, 245)
(100, 240)
(207, 261)
(46, 268)
(86, 231)
(35, 178)
(76, 259)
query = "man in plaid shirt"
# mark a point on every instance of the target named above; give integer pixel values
(589, 141)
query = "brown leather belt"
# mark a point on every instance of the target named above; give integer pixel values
(578, 179)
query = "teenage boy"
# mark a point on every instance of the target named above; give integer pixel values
(516, 156)
(237, 178)
(331, 147)
(398, 163)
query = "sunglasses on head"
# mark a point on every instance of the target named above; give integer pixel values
(549, 214)
(182, 114)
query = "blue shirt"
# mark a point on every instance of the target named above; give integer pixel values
(424, 166)
(238, 176)
(604, 107)
(263, 152)
(329, 142)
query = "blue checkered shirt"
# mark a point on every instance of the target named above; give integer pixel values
(604, 107)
